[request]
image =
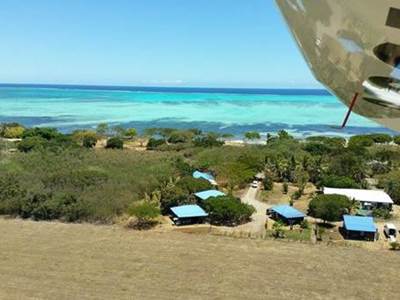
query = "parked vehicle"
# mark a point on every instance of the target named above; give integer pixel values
(254, 184)
(390, 231)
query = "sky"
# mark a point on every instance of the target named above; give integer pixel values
(208, 43)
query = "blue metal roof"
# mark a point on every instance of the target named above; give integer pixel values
(357, 223)
(204, 195)
(206, 176)
(287, 211)
(188, 211)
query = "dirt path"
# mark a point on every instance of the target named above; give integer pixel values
(259, 217)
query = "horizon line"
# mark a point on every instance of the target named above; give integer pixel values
(66, 85)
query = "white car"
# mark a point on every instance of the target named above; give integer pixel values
(390, 231)
(254, 184)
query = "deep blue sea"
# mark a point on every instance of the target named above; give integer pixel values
(301, 112)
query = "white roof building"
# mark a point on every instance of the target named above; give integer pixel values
(371, 196)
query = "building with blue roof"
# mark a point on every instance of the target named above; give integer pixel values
(188, 214)
(205, 176)
(205, 195)
(356, 227)
(287, 214)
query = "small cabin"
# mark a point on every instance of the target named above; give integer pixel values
(188, 214)
(287, 214)
(359, 228)
(206, 176)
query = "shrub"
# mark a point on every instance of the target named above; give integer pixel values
(89, 141)
(285, 188)
(43, 132)
(227, 210)
(392, 187)
(381, 213)
(252, 135)
(334, 181)
(131, 133)
(329, 207)
(180, 136)
(396, 140)
(115, 143)
(360, 141)
(32, 143)
(154, 143)
(207, 140)
(268, 183)
(381, 138)
(192, 185)
(304, 224)
(145, 214)
(395, 246)
(12, 132)
(278, 230)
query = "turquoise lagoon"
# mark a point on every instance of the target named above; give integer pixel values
(302, 112)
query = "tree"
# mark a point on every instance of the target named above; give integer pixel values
(145, 213)
(284, 135)
(278, 230)
(89, 141)
(115, 143)
(252, 135)
(32, 143)
(102, 129)
(227, 210)
(192, 185)
(154, 143)
(131, 133)
(119, 131)
(268, 183)
(392, 187)
(207, 140)
(12, 132)
(329, 207)
(301, 178)
(343, 182)
(396, 140)
(42, 132)
(381, 138)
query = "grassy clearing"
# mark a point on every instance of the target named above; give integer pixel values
(78, 261)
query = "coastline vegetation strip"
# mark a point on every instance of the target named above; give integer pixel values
(100, 175)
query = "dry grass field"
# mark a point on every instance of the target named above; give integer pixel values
(60, 261)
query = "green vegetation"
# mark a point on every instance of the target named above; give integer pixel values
(115, 143)
(252, 135)
(60, 176)
(329, 207)
(11, 130)
(227, 210)
(145, 214)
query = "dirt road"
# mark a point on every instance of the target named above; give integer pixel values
(259, 217)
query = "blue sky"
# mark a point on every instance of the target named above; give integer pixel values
(221, 43)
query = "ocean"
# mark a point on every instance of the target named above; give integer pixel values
(301, 112)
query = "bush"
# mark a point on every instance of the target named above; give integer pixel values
(278, 230)
(131, 133)
(32, 143)
(395, 246)
(360, 141)
(207, 140)
(252, 135)
(12, 132)
(89, 141)
(392, 187)
(381, 138)
(268, 183)
(396, 140)
(145, 214)
(304, 224)
(343, 182)
(227, 210)
(381, 213)
(285, 188)
(192, 185)
(153, 143)
(43, 132)
(179, 136)
(115, 143)
(329, 207)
